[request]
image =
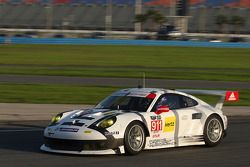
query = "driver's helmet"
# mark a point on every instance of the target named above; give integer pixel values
(162, 102)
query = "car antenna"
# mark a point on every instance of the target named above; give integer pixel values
(143, 81)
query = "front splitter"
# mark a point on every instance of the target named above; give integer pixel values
(92, 152)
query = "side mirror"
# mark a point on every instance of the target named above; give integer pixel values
(162, 109)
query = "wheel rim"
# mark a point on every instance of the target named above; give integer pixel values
(214, 130)
(136, 137)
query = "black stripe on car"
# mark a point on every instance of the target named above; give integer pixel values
(142, 118)
(111, 141)
(73, 123)
(86, 118)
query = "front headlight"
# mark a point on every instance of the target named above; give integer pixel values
(107, 122)
(56, 119)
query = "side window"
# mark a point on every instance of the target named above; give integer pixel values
(171, 100)
(188, 102)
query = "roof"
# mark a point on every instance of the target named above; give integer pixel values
(140, 92)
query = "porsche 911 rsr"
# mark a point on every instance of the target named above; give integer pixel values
(132, 120)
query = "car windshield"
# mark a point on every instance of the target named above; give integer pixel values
(129, 103)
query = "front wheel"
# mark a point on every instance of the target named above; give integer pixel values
(213, 131)
(134, 139)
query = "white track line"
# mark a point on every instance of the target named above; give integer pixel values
(21, 130)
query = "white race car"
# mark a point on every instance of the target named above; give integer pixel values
(131, 120)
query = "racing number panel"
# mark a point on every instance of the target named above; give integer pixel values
(178, 122)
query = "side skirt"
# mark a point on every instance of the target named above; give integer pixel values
(170, 143)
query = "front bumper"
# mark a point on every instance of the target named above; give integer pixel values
(93, 152)
(83, 146)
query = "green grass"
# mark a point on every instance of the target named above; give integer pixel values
(58, 94)
(187, 63)
(73, 94)
(127, 61)
(171, 73)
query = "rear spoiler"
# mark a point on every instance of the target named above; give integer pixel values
(225, 95)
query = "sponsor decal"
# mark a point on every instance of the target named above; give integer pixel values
(111, 133)
(232, 96)
(155, 117)
(156, 125)
(87, 131)
(169, 125)
(160, 142)
(157, 135)
(69, 129)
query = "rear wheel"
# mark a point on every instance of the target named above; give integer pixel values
(213, 131)
(134, 139)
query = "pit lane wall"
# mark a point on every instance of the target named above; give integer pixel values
(86, 41)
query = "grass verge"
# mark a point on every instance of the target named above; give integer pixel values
(125, 72)
(69, 94)
(127, 61)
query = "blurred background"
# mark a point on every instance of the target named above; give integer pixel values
(127, 19)
(90, 48)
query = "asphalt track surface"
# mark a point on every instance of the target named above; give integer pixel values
(20, 142)
(122, 82)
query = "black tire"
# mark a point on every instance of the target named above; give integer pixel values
(132, 145)
(213, 131)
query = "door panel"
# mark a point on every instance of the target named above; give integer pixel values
(190, 125)
(162, 130)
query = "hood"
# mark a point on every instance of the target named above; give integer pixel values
(88, 117)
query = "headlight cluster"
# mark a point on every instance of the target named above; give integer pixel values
(56, 119)
(107, 122)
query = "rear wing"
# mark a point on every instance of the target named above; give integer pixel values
(225, 95)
